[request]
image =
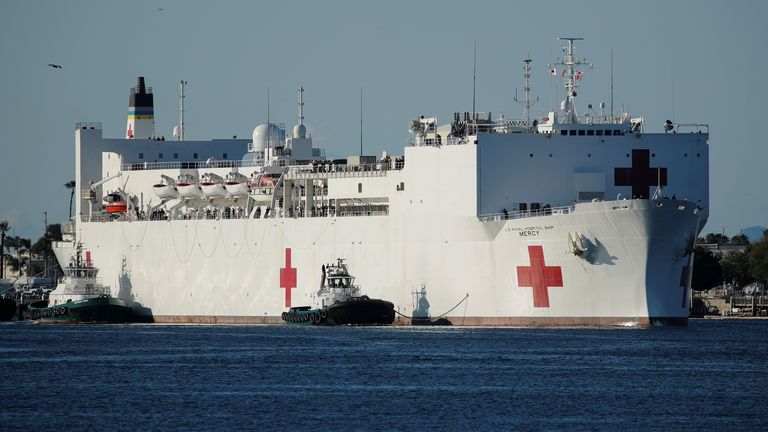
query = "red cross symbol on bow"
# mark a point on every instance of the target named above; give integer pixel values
(539, 276)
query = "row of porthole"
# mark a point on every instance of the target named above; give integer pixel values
(652, 155)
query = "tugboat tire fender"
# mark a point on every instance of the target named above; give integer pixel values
(323, 313)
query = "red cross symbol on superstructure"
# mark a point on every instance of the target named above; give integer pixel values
(287, 277)
(641, 176)
(539, 276)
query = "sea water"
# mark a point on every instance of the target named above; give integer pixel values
(710, 375)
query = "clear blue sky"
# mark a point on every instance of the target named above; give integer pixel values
(411, 58)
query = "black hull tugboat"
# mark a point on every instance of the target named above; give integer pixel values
(80, 298)
(340, 303)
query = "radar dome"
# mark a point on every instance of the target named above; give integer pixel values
(299, 131)
(264, 133)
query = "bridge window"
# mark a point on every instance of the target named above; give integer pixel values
(590, 132)
(522, 207)
(616, 132)
(581, 132)
(141, 155)
(572, 132)
(563, 132)
(599, 132)
(194, 155)
(175, 155)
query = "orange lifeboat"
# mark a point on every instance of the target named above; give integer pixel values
(114, 203)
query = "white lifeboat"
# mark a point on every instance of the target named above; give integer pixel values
(237, 185)
(166, 189)
(213, 186)
(188, 187)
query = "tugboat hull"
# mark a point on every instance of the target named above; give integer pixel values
(103, 309)
(358, 311)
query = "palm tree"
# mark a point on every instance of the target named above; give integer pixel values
(71, 186)
(3, 229)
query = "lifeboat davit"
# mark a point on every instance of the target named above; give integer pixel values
(237, 185)
(213, 186)
(188, 187)
(166, 189)
(115, 203)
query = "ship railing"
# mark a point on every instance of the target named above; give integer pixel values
(325, 170)
(521, 214)
(140, 166)
(690, 128)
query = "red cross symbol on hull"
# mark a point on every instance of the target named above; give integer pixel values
(539, 276)
(641, 176)
(287, 277)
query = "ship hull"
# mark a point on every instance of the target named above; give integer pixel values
(517, 272)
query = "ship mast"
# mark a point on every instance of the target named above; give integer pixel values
(528, 103)
(571, 73)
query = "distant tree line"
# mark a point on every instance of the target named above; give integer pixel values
(740, 268)
(17, 251)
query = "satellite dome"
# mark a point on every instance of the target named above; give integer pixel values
(299, 131)
(265, 133)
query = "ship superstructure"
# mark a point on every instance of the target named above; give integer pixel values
(566, 219)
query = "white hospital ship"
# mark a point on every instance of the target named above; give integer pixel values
(574, 218)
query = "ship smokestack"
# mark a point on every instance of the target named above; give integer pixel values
(141, 112)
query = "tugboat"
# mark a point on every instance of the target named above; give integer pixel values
(80, 297)
(340, 303)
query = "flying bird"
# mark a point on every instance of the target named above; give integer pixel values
(55, 66)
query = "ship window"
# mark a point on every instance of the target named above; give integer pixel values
(523, 207)
(581, 132)
(572, 132)
(359, 188)
(530, 155)
(590, 132)
(402, 186)
(159, 155)
(224, 156)
(607, 133)
(563, 132)
(175, 155)
(535, 206)
(194, 155)
(141, 155)
(599, 132)
(616, 132)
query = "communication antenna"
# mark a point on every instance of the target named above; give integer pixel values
(180, 132)
(301, 105)
(673, 97)
(528, 103)
(269, 131)
(361, 124)
(611, 84)
(474, 80)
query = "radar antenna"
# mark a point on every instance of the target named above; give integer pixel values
(571, 74)
(528, 103)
